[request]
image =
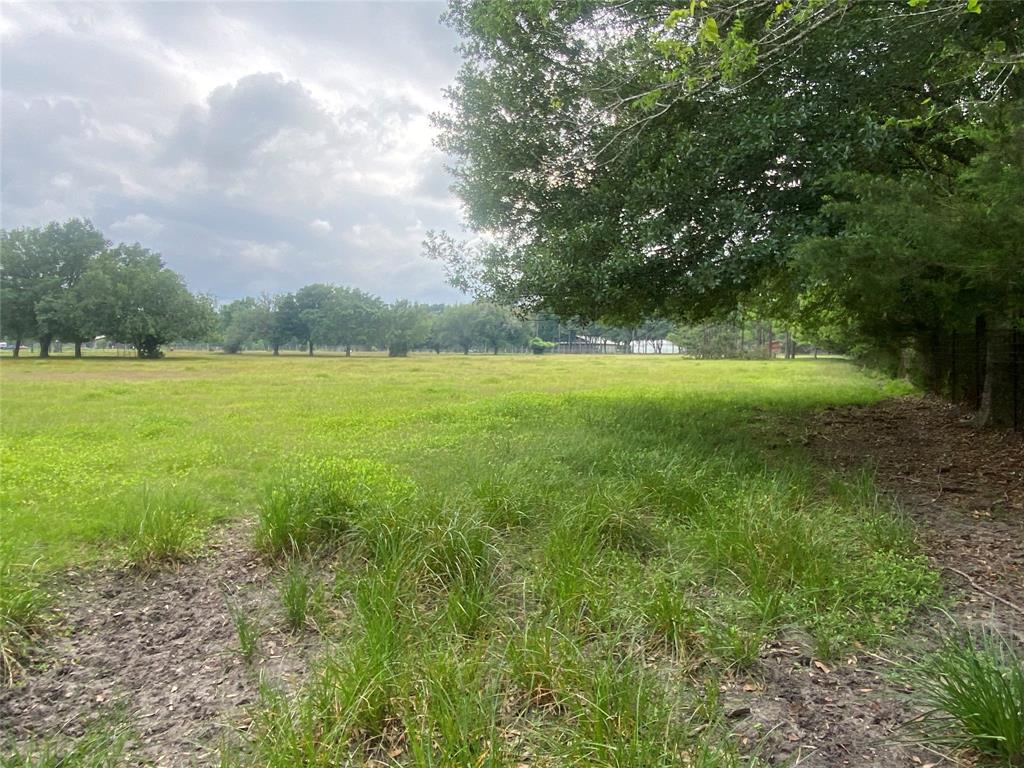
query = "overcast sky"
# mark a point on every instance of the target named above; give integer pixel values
(258, 147)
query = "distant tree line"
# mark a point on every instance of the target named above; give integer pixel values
(339, 317)
(66, 281)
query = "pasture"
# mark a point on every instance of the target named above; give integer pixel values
(540, 560)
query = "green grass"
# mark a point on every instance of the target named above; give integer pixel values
(248, 633)
(301, 597)
(23, 607)
(974, 685)
(101, 746)
(77, 435)
(534, 555)
(158, 526)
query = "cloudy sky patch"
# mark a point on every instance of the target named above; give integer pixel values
(258, 147)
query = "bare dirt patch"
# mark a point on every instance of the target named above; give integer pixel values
(964, 490)
(963, 487)
(158, 651)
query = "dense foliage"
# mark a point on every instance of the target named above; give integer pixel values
(853, 167)
(66, 281)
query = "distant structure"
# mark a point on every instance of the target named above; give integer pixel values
(653, 347)
(596, 345)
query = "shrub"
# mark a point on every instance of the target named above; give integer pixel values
(538, 346)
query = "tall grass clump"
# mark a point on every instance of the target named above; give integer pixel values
(319, 501)
(22, 614)
(159, 525)
(543, 664)
(571, 574)
(301, 597)
(101, 746)
(453, 712)
(460, 561)
(974, 686)
(355, 693)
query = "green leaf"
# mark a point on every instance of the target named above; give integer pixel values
(709, 31)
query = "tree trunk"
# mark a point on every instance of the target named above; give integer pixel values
(44, 346)
(975, 377)
(78, 349)
(310, 347)
(996, 408)
(276, 350)
(348, 350)
(17, 347)
(495, 349)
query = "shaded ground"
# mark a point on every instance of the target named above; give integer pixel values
(964, 489)
(962, 486)
(158, 652)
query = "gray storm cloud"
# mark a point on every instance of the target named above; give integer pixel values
(257, 147)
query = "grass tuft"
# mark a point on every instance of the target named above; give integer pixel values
(159, 526)
(321, 501)
(248, 633)
(301, 596)
(23, 607)
(99, 747)
(974, 685)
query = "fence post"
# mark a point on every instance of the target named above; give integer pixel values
(980, 344)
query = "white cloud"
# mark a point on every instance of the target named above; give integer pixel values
(138, 227)
(264, 144)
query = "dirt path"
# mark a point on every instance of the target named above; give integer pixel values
(158, 652)
(964, 489)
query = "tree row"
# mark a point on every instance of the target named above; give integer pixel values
(66, 281)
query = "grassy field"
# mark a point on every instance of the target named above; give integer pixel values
(569, 550)
(79, 438)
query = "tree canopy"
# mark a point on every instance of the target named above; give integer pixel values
(822, 160)
(66, 281)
